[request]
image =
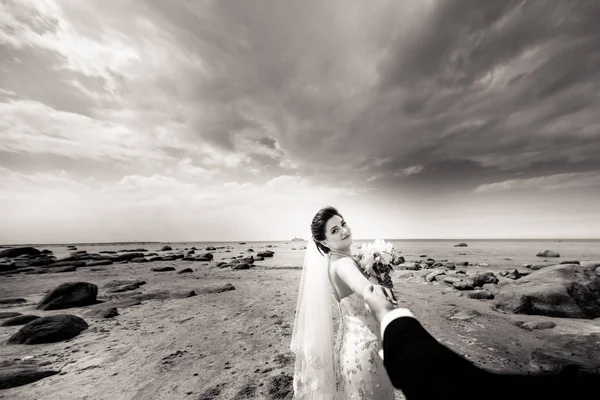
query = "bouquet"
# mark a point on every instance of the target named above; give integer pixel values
(376, 260)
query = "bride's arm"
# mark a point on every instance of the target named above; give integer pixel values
(348, 272)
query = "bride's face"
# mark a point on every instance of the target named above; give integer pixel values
(338, 235)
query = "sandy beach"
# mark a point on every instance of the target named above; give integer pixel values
(235, 344)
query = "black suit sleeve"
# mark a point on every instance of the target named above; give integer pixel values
(423, 368)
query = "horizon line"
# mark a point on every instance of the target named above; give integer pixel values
(290, 240)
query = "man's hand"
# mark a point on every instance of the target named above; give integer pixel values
(378, 301)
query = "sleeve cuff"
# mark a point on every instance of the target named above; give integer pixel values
(392, 315)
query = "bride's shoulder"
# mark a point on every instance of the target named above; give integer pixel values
(341, 262)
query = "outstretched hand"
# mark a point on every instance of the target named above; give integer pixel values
(379, 301)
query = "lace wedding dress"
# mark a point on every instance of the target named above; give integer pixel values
(359, 369)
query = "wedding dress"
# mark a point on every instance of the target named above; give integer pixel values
(360, 371)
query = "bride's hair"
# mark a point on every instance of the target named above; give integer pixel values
(317, 227)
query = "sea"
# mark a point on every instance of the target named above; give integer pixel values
(496, 253)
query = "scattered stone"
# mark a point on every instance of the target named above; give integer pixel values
(535, 325)
(548, 253)
(19, 251)
(215, 289)
(240, 266)
(460, 245)
(431, 276)
(480, 295)
(570, 262)
(127, 256)
(107, 312)
(118, 286)
(185, 271)
(166, 248)
(19, 320)
(98, 263)
(13, 300)
(118, 303)
(4, 315)
(465, 315)
(69, 294)
(163, 269)
(63, 269)
(265, 254)
(12, 375)
(50, 329)
(463, 284)
(409, 266)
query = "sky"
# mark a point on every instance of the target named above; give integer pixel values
(225, 120)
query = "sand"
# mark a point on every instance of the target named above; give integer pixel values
(235, 344)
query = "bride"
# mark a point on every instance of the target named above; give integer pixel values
(350, 367)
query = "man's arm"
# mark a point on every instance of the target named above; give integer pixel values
(423, 368)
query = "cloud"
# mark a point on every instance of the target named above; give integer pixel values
(545, 183)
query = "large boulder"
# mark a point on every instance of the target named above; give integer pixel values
(567, 291)
(69, 294)
(50, 329)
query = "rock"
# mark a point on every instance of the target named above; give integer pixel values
(4, 315)
(77, 263)
(548, 253)
(12, 375)
(573, 351)
(185, 271)
(240, 266)
(215, 289)
(535, 325)
(566, 291)
(139, 260)
(432, 275)
(122, 286)
(50, 329)
(107, 312)
(536, 267)
(97, 263)
(204, 259)
(210, 248)
(449, 265)
(154, 259)
(451, 280)
(19, 320)
(162, 295)
(463, 263)
(463, 284)
(460, 245)
(166, 248)
(63, 269)
(182, 294)
(118, 303)
(265, 254)
(69, 294)
(127, 256)
(19, 251)
(208, 255)
(480, 295)
(570, 262)
(464, 315)
(108, 252)
(162, 269)
(13, 300)
(481, 278)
